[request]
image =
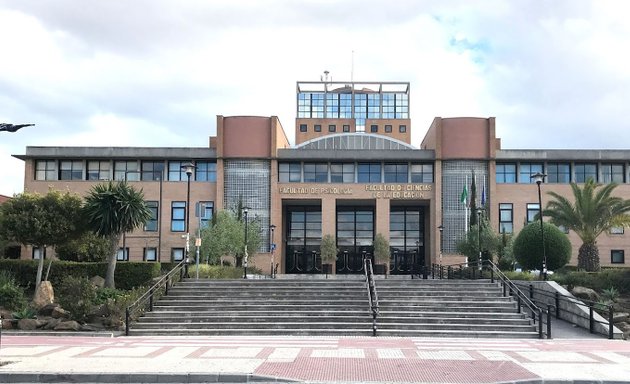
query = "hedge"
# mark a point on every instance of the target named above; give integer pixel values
(618, 278)
(129, 274)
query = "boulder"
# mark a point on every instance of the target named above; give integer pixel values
(93, 327)
(7, 324)
(27, 324)
(60, 313)
(44, 295)
(52, 323)
(47, 309)
(585, 293)
(98, 281)
(620, 316)
(6, 314)
(70, 325)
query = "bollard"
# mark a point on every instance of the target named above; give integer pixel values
(549, 321)
(127, 322)
(531, 291)
(610, 322)
(151, 300)
(557, 305)
(591, 320)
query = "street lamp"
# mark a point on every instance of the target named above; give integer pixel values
(539, 178)
(245, 211)
(272, 227)
(188, 168)
(441, 229)
(479, 210)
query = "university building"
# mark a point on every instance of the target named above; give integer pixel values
(353, 172)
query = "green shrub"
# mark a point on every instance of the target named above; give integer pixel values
(76, 295)
(116, 305)
(87, 248)
(618, 278)
(220, 272)
(11, 294)
(514, 276)
(528, 249)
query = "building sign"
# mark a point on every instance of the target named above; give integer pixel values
(378, 191)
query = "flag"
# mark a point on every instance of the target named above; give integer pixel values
(464, 197)
(483, 196)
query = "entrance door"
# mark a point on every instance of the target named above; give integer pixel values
(304, 236)
(406, 239)
(355, 233)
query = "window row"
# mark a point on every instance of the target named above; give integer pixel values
(295, 172)
(129, 170)
(318, 105)
(332, 128)
(561, 172)
(150, 254)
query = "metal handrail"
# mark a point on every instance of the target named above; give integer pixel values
(372, 295)
(557, 297)
(147, 297)
(522, 299)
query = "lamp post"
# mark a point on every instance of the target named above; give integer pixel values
(245, 256)
(479, 210)
(539, 178)
(188, 168)
(441, 229)
(272, 227)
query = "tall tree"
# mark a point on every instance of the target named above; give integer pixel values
(593, 211)
(41, 221)
(226, 237)
(112, 209)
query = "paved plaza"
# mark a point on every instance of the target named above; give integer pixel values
(310, 359)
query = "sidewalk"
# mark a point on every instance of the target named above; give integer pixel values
(310, 359)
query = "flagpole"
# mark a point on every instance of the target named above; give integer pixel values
(466, 208)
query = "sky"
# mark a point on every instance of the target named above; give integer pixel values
(145, 73)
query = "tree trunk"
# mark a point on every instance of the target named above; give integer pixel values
(588, 257)
(40, 267)
(111, 262)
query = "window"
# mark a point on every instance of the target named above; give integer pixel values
(207, 208)
(342, 173)
(317, 105)
(506, 222)
(175, 171)
(616, 231)
(152, 224)
(289, 172)
(39, 253)
(374, 128)
(585, 171)
(304, 105)
(345, 106)
(388, 128)
(527, 170)
(122, 255)
(45, 170)
(374, 106)
(178, 216)
(613, 173)
(318, 128)
(346, 128)
(150, 254)
(152, 170)
(402, 128)
(532, 211)
(177, 254)
(315, 172)
(506, 173)
(360, 110)
(332, 128)
(369, 173)
(126, 170)
(389, 106)
(559, 173)
(303, 128)
(617, 256)
(396, 173)
(421, 173)
(206, 171)
(71, 170)
(332, 105)
(98, 170)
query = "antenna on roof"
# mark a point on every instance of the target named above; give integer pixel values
(352, 68)
(324, 78)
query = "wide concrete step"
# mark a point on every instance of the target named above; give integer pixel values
(446, 297)
(357, 318)
(451, 320)
(243, 324)
(258, 307)
(261, 301)
(458, 326)
(446, 313)
(481, 334)
(271, 294)
(251, 331)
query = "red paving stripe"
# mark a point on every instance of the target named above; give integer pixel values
(264, 353)
(198, 353)
(158, 352)
(396, 370)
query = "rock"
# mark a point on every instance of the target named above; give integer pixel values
(44, 294)
(41, 322)
(7, 323)
(6, 314)
(620, 316)
(98, 281)
(59, 313)
(27, 324)
(92, 327)
(52, 323)
(68, 326)
(48, 309)
(585, 293)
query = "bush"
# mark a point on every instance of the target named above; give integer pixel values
(88, 248)
(514, 276)
(528, 250)
(76, 295)
(11, 294)
(599, 281)
(220, 272)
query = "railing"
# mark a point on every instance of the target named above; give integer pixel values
(371, 288)
(544, 298)
(145, 302)
(474, 270)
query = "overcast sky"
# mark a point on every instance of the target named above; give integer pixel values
(555, 74)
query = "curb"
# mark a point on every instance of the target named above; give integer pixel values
(26, 377)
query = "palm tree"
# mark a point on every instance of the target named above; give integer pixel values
(593, 212)
(111, 210)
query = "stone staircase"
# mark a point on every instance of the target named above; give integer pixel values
(449, 308)
(260, 307)
(335, 307)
